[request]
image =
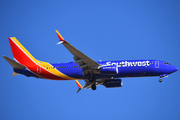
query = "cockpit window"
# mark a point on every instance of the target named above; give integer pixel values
(166, 63)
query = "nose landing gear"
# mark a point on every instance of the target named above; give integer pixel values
(162, 76)
(160, 80)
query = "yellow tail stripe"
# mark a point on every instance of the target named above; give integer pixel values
(24, 49)
(41, 63)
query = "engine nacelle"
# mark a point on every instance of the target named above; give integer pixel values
(109, 70)
(113, 83)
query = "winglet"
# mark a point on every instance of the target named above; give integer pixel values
(79, 85)
(60, 37)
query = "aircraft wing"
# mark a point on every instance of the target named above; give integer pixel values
(87, 64)
(88, 84)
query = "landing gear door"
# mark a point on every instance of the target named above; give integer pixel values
(156, 64)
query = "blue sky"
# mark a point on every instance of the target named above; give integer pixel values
(103, 30)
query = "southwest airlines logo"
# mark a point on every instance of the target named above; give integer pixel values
(129, 64)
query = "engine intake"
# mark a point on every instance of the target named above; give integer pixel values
(113, 83)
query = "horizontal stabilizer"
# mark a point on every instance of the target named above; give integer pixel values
(14, 64)
(14, 74)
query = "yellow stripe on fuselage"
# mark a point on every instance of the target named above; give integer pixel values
(54, 71)
(41, 63)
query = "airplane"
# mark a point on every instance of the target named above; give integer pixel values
(94, 73)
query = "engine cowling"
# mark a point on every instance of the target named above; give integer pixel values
(113, 83)
(109, 70)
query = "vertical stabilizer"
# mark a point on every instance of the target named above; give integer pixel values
(20, 53)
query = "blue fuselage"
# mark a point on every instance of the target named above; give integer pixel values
(126, 68)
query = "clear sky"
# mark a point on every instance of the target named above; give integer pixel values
(103, 30)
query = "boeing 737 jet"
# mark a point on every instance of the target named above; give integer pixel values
(107, 73)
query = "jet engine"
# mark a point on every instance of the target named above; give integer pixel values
(109, 70)
(112, 83)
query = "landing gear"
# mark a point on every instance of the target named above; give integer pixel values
(92, 79)
(162, 76)
(93, 86)
(160, 80)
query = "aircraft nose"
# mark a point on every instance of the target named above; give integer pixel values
(174, 68)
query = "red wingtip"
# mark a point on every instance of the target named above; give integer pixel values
(60, 37)
(78, 84)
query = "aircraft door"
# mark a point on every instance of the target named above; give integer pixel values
(38, 69)
(156, 64)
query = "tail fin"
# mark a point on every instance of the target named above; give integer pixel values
(20, 53)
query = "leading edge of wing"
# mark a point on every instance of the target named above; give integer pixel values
(80, 58)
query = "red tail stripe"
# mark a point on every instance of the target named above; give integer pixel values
(22, 58)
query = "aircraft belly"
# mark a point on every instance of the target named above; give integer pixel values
(25, 72)
(74, 73)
